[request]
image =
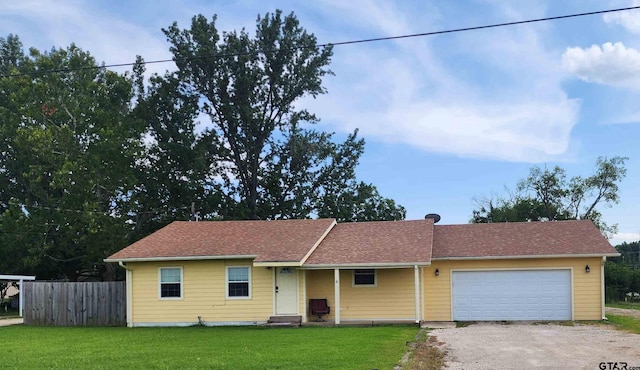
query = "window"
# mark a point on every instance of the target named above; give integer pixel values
(171, 282)
(364, 277)
(238, 282)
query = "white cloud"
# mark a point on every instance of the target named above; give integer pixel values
(110, 39)
(521, 131)
(630, 19)
(490, 94)
(624, 237)
(611, 64)
(468, 97)
(625, 117)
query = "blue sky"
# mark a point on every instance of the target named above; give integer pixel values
(447, 118)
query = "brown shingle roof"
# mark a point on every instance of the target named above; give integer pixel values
(382, 242)
(511, 239)
(282, 241)
(361, 243)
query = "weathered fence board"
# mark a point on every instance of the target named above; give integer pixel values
(74, 304)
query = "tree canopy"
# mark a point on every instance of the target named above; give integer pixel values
(272, 163)
(622, 273)
(546, 194)
(93, 159)
(69, 144)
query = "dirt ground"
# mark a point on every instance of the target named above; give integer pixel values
(530, 346)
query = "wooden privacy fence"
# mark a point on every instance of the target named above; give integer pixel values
(75, 304)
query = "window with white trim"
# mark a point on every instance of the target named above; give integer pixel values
(364, 277)
(170, 282)
(238, 282)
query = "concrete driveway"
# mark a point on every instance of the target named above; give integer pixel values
(530, 346)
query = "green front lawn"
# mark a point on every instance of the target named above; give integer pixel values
(628, 323)
(202, 347)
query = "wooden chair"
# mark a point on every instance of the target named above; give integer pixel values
(319, 307)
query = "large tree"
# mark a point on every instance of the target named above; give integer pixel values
(68, 149)
(271, 162)
(92, 160)
(546, 194)
(177, 170)
(360, 202)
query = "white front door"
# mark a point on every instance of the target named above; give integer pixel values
(286, 291)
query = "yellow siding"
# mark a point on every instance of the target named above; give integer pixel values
(393, 297)
(204, 291)
(320, 285)
(587, 301)
(204, 294)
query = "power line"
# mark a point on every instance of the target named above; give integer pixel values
(86, 211)
(423, 34)
(484, 27)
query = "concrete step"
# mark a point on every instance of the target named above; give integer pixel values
(285, 320)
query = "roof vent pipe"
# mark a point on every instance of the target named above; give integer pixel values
(434, 216)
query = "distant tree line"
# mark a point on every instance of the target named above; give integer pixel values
(93, 160)
(547, 195)
(622, 274)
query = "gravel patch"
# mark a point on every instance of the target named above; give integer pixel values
(530, 346)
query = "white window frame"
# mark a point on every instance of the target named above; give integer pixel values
(160, 283)
(375, 279)
(226, 278)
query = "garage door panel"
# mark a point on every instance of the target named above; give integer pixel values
(511, 295)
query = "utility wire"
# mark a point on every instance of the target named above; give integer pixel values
(455, 30)
(483, 27)
(59, 209)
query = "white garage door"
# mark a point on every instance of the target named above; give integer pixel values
(511, 295)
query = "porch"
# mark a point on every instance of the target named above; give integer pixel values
(364, 295)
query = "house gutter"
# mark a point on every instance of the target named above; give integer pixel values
(277, 264)
(529, 256)
(351, 266)
(179, 258)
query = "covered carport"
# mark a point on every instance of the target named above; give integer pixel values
(20, 279)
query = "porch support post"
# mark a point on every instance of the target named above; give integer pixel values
(129, 297)
(304, 295)
(604, 259)
(20, 297)
(422, 290)
(336, 299)
(416, 286)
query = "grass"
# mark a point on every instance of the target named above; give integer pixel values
(426, 354)
(8, 314)
(561, 323)
(628, 305)
(628, 323)
(378, 347)
(463, 324)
